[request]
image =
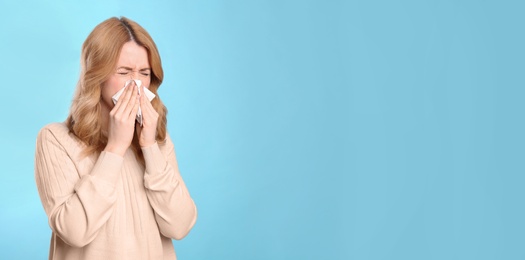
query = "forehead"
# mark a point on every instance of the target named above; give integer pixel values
(132, 55)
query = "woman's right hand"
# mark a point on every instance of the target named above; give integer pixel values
(122, 121)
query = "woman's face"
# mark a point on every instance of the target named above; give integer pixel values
(132, 64)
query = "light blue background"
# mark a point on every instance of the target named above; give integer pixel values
(304, 129)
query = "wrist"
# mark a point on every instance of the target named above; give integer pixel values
(147, 144)
(115, 149)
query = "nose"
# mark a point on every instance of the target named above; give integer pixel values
(133, 75)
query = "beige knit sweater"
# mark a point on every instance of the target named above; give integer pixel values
(108, 206)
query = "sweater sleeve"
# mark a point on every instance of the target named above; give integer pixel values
(175, 210)
(77, 207)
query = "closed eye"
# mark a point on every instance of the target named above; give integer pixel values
(145, 72)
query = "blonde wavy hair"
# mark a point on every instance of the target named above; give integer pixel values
(100, 53)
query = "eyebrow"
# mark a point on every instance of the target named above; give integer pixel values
(128, 68)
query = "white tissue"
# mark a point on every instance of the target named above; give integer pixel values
(138, 83)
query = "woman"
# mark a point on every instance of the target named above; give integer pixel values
(111, 187)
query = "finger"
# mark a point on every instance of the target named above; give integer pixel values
(125, 98)
(145, 102)
(138, 127)
(135, 109)
(119, 102)
(142, 97)
(148, 112)
(128, 111)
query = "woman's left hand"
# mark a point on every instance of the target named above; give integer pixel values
(148, 132)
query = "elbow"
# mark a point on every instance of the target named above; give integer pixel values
(180, 234)
(73, 235)
(182, 228)
(75, 241)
